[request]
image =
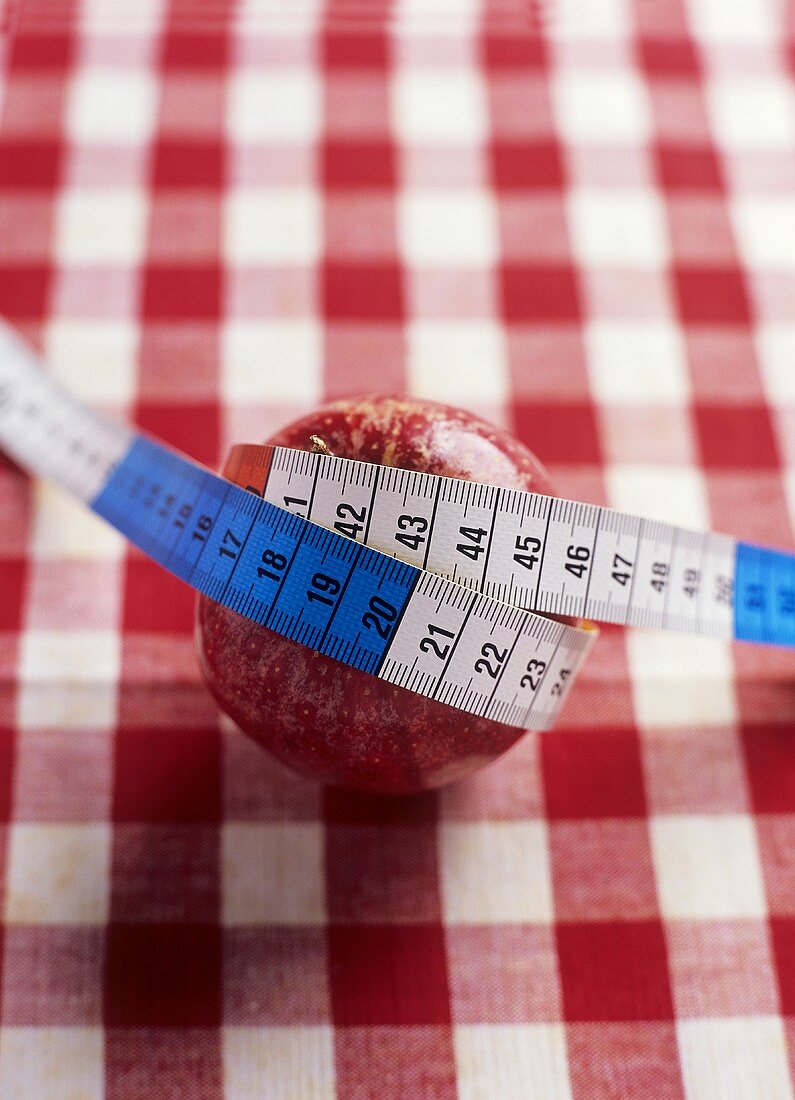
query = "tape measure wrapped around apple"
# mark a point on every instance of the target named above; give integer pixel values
(372, 618)
(334, 721)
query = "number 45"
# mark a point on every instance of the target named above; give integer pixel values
(531, 547)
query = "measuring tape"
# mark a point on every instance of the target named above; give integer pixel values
(539, 553)
(430, 583)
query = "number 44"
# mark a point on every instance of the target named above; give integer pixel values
(475, 547)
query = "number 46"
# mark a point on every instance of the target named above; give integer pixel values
(578, 556)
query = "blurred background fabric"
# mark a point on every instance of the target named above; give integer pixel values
(576, 219)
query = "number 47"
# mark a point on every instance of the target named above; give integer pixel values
(621, 575)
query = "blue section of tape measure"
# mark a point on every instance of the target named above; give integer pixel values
(310, 584)
(764, 595)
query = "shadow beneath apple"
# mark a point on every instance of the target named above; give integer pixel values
(348, 807)
(380, 857)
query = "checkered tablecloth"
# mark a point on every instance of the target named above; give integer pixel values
(580, 224)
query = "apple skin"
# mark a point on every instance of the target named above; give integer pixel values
(325, 719)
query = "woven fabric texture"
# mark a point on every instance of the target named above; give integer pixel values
(578, 222)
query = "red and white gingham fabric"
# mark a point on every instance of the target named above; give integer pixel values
(212, 216)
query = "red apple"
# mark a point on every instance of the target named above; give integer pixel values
(325, 719)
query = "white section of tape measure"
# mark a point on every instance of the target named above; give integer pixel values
(49, 433)
(486, 657)
(668, 577)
